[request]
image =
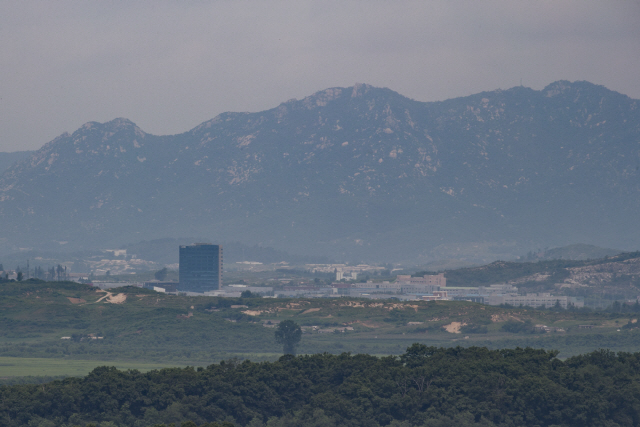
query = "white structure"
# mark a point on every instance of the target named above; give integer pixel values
(534, 300)
(330, 268)
(340, 274)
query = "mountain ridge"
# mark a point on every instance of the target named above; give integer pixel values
(347, 171)
(8, 159)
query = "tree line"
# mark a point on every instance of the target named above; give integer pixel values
(57, 273)
(426, 386)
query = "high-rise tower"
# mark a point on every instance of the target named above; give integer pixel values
(200, 267)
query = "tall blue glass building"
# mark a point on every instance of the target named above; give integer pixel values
(200, 267)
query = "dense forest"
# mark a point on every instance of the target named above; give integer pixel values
(426, 386)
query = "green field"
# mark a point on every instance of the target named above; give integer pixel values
(156, 330)
(29, 366)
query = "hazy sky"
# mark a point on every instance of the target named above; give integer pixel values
(170, 65)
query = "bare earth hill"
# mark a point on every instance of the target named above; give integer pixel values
(358, 172)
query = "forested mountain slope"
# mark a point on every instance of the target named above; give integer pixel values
(360, 172)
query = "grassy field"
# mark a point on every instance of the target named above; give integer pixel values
(28, 366)
(165, 330)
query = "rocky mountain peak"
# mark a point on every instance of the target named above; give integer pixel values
(359, 170)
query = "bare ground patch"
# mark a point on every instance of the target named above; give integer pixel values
(368, 324)
(252, 312)
(352, 304)
(117, 299)
(454, 327)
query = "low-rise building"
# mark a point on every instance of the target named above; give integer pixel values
(499, 288)
(385, 287)
(161, 286)
(427, 279)
(536, 300)
(341, 289)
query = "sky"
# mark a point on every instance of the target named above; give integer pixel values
(171, 65)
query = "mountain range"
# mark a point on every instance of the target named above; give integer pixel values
(358, 173)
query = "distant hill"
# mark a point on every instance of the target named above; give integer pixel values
(9, 159)
(579, 251)
(613, 278)
(358, 173)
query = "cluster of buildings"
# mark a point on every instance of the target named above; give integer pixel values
(505, 294)
(541, 299)
(344, 269)
(405, 288)
(432, 288)
(201, 274)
